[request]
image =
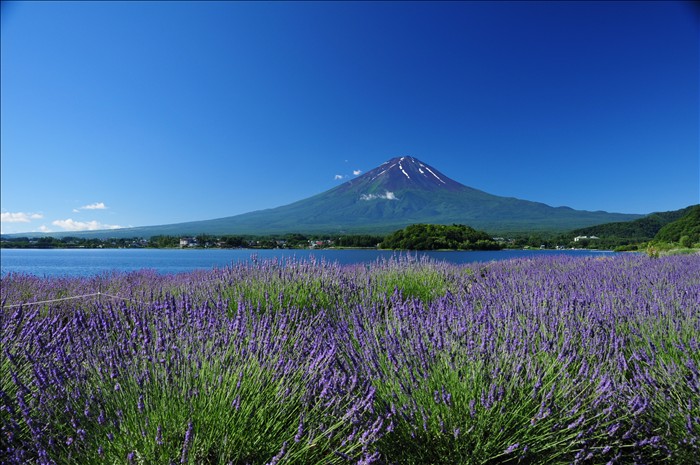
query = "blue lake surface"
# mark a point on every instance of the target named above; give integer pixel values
(89, 262)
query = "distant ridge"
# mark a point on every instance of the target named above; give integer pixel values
(399, 192)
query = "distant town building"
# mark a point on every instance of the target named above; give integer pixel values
(325, 243)
(578, 238)
(187, 242)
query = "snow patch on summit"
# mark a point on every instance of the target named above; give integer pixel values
(415, 171)
(438, 177)
(404, 172)
(384, 171)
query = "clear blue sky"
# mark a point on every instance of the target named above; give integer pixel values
(139, 113)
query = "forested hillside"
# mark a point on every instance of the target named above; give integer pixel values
(685, 230)
(438, 236)
(639, 230)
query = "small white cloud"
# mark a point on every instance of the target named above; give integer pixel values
(72, 225)
(386, 196)
(19, 217)
(357, 172)
(75, 210)
(44, 229)
(94, 206)
(338, 176)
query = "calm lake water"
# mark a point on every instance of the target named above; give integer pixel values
(87, 262)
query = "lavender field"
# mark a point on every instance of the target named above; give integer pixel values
(549, 360)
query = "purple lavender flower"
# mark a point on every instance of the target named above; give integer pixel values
(187, 443)
(446, 397)
(279, 455)
(340, 454)
(512, 448)
(159, 436)
(509, 324)
(369, 459)
(300, 430)
(576, 423)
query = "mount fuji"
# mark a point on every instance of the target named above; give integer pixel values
(399, 192)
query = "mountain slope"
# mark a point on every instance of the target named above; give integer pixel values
(400, 192)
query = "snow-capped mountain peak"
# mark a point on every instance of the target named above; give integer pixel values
(408, 172)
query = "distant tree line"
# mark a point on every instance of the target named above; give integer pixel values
(291, 241)
(68, 242)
